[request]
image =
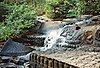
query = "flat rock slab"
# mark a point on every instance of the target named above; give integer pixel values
(77, 58)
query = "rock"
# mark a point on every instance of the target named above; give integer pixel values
(73, 33)
(89, 37)
(85, 17)
(69, 21)
(96, 18)
(73, 41)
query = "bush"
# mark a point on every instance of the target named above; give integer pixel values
(5, 32)
(19, 18)
(74, 8)
(12, 2)
(61, 8)
(67, 8)
(3, 11)
(92, 7)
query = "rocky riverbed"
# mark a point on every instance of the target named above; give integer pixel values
(56, 45)
(86, 54)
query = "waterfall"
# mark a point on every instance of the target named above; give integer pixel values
(51, 39)
(67, 36)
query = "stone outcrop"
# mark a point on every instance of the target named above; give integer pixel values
(82, 31)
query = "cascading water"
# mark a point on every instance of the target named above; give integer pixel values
(71, 36)
(51, 39)
(68, 36)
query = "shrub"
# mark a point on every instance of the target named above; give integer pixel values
(19, 18)
(67, 8)
(61, 8)
(5, 32)
(92, 7)
(74, 8)
(12, 2)
(3, 11)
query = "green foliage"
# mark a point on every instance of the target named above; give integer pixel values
(3, 11)
(92, 7)
(67, 8)
(73, 8)
(78, 7)
(3, 8)
(12, 2)
(61, 8)
(5, 32)
(20, 17)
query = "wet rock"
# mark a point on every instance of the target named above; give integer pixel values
(73, 33)
(96, 18)
(69, 21)
(85, 17)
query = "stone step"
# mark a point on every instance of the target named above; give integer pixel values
(47, 62)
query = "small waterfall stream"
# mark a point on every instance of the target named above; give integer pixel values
(51, 39)
(68, 36)
(72, 34)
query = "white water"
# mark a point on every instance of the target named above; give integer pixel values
(54, 38)
(65, 36)
(51, 39)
